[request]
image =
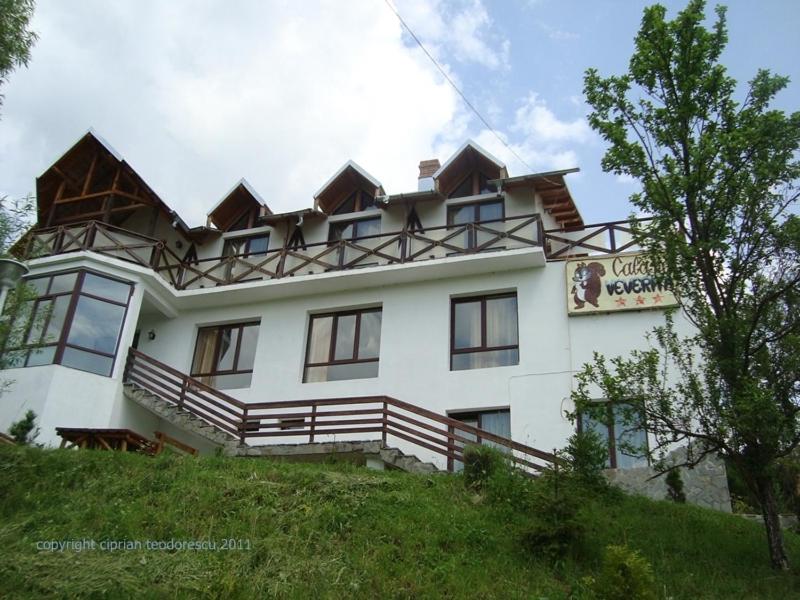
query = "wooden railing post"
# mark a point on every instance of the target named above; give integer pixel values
(182, 395)
(243, 426)
(313, 422)
(155, 256)
(403, 245)
(88, 240)
(342, 246)
(281, 264)
(384, 424)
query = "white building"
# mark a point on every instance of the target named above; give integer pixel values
(453, 298)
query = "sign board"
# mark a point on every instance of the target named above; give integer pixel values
(615, 283)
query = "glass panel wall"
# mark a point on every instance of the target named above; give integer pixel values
(76, 320)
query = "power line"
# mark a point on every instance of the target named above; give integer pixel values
(455, 87)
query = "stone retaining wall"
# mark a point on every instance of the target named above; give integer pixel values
(704, 485)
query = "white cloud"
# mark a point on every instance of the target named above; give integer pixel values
(537, 140)
(536, 120)
(196, 95)
(559, 35)
(461, 30)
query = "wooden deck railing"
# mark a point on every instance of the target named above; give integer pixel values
(411, 245)
(597, 239)
(310, 420)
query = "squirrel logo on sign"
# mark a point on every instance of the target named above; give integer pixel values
(587, 284)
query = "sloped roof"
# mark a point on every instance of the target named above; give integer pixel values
(348, 177)
(110, 173)
(239, 198)
(552, 188)
(468, 157)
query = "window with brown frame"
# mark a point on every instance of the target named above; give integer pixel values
(496, 421)
(343, 345)
(625, 438)
(475, 212)
(250, 245)
(75, 321)
(224, 355)
(353, 231)
(356, 202)
(483, 332)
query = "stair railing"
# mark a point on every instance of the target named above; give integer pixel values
(317, 418)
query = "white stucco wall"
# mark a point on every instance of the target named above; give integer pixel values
(415, 336)
(414, 355)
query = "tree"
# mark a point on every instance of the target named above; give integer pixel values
(16, 40)
(25, 430)
(719, 178)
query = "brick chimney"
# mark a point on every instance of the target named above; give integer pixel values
(426, 170)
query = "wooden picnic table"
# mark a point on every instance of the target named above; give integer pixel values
(123, 440)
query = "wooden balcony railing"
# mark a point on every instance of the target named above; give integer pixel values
(311, 420)
(374, 250)
(592, 240)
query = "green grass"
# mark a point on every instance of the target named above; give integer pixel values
(334, 531)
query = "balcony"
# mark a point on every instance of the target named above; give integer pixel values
(401, 247)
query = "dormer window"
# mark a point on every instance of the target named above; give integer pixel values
(350, 190)
(473, 184)
(356, 202)
(240, 209)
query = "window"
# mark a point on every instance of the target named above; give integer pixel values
(75, 321)
(343, 346)
(353, 231)
(480, 212)
(251, 245)
(484, 332)
(497, 422)
(355, 202)
(473, 184)
(625, 440)
(224, 355)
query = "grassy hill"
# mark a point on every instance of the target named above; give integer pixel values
(334, 531)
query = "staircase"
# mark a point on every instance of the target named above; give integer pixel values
(234, 425)
(182, 419)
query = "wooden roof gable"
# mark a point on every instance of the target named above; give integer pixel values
(240, 200)
(465, 160)
(347, 179)
(92, 181)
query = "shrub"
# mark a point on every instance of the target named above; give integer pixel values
(625, 576)
(675, 486)
(24, 431)
(586, 456)
(555, 530)
(483, 462)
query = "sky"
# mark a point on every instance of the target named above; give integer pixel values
(196, 94)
